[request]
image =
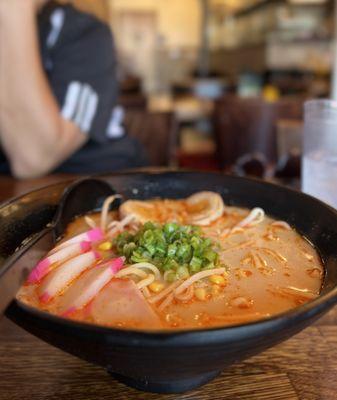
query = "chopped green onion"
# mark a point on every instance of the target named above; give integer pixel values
(171, 277)
(182, 272)
(182, 250)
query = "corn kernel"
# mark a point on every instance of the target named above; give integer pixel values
(200, 294)
(105, 246)
(156, 287)
(218, 280)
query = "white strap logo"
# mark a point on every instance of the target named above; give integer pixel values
(57, 22)
(80, 105)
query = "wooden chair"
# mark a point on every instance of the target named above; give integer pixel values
(248, 126)
(133, 101)
(157, 132)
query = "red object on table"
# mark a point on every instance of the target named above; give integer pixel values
(201, 161)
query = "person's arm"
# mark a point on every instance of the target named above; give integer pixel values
(33, 133)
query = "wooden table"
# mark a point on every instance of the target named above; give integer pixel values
(304, 367)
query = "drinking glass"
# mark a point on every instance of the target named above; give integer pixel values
(319, 162)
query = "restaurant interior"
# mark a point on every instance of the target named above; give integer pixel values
(220, 84)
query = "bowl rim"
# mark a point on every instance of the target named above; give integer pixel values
(166, 337)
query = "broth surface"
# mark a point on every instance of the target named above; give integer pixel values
(270, 268)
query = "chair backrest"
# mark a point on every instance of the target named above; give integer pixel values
(248, 125)
(133, 101)
(156, 131)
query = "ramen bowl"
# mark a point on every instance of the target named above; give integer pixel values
(176, 361)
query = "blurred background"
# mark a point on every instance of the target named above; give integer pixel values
(220, 84)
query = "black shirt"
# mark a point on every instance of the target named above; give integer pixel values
(78, 56)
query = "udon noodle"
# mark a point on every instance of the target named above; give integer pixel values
(175, 264)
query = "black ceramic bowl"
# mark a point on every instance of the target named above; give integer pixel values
(176, 361)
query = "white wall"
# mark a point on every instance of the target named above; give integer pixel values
(100, 8)
(178, 20)
(159, 52)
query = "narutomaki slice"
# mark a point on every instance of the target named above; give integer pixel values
(93, 235)
(122, 303)
(88, 286)
(47, 264)
(59, 279)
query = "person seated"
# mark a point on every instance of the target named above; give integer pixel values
(58, 92)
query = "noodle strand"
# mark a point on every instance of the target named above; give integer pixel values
(163, 293)
(145, 282)
(187, 295)
(105, 210)
(198, 276)
(255, 217)
(90, 222)
(131, 271)
(119, 225)
(166, 302)
(281, 224)
(149, 266)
